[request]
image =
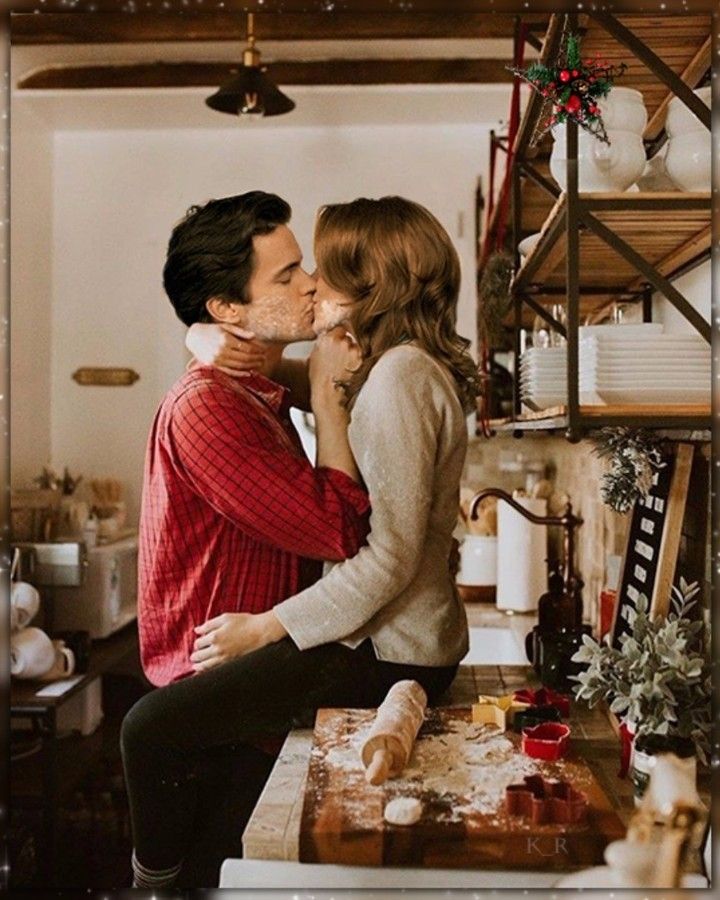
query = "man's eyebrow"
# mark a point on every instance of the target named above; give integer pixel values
(288, 267)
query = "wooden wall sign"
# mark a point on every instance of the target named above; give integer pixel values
(105, 377)
(653, 541)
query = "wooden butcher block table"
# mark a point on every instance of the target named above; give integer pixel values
(459, 771)
(318, 808)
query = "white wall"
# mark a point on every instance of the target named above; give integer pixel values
(115, 197)
(31, 241)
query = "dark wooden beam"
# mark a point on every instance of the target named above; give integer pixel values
(363, 7)
(374, 71)
(107, 27)
(411, 8)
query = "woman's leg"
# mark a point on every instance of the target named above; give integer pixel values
(166, 734)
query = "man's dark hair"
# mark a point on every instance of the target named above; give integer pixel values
(210, 253)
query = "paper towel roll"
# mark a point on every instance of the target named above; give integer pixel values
(522, 551)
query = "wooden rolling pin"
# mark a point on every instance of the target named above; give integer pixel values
(389, 744)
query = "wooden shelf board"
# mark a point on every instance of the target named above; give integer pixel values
(505, 426)
(625, 409)
(552, 421)
(640, 410)
(683, 42)
(651, 410)
(667, 238)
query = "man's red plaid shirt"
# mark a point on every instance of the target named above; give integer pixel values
(234, 516)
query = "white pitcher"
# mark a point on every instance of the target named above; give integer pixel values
(688, 160)
(478, 561)
(603, 167)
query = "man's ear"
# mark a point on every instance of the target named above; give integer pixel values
(225, 311)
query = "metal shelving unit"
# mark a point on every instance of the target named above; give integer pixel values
(596, 248)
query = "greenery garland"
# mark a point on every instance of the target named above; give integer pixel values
(494, 295)
(635, 455)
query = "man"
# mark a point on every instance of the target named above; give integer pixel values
(234, 517)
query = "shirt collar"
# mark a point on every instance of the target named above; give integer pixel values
(270, 392)
(275, 395)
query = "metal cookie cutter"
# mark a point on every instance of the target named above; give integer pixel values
(535, 715)
(546, 802)
(496, 710)
(544, 697)
(548, 741)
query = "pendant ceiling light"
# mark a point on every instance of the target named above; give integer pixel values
(250, 92)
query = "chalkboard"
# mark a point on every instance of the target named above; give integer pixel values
(653, 541)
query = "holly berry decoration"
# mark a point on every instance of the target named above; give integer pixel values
(572, 88)
(573, 104)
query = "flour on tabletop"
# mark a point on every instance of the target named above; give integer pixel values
(464, 770)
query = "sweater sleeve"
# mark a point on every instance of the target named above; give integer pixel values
(396, 420)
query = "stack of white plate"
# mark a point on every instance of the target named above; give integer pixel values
(543, 377)
(621, 364)
(641, 364)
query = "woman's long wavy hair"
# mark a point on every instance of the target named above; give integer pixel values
(396, 261)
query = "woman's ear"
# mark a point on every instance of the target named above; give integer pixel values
(225, 311)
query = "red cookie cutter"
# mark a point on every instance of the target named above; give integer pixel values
(544, 697)
(546, 802)
(547, 741)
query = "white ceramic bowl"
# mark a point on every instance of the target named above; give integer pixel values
(688, 161)
(527, 245)
(680, 120)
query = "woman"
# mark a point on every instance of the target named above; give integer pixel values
(392, 611)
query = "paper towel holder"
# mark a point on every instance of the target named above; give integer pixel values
(568, 521)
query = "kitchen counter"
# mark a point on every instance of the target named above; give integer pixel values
(273, 833)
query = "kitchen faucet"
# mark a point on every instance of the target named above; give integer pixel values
(568, 521)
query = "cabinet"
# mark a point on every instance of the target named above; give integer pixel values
(598, 248)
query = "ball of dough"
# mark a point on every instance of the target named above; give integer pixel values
(403, 811)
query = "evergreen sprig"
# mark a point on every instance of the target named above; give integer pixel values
(635, 455)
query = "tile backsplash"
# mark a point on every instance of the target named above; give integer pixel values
(574, 469)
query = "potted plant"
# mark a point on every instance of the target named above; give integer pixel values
(659, 681)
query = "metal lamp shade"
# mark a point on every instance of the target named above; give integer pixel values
(250, 92)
